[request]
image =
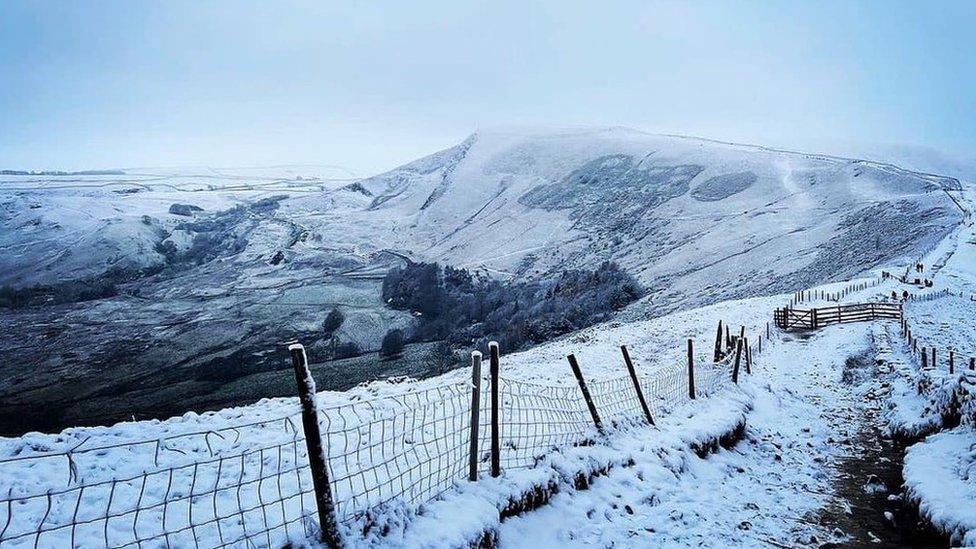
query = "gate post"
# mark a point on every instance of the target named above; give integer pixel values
(324, 503)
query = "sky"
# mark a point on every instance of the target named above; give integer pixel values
(372, 85)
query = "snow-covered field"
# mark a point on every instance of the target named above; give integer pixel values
(398, 449)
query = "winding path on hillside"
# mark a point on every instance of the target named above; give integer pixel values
(780, 486)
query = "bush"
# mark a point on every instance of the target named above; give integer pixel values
(346, 350)
(392, 345)
(333, 321)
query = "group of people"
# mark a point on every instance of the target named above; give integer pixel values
(919, 268)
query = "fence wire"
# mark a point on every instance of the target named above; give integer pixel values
(402, 449)
(249, 485)
(226, 487)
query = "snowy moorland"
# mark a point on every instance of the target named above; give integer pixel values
(160, 290)
(803, 451)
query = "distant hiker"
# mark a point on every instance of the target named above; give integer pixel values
(904, 295)
(894, 295)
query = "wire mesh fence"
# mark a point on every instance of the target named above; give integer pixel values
(396, 450)
(222, 487)
(251, 484)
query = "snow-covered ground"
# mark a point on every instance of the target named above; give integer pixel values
(809, 407)
(769, 488)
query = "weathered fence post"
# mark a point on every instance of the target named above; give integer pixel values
(934, 365)
(691, 370)
(924, 358)
(745, 343)
(813, 318)
(952, 368)
(329, 530)
(475, 413)
(735, 368)
(637, 387)
(767, 330)
(586, 392)
(496, 447)
(972, 363)
(718, 342)
(760, 343)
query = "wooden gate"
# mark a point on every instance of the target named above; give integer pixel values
(810, 319)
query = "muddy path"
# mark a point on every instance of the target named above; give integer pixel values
(869, 509)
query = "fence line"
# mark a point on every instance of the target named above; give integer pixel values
(252, 484)
(954, 359)
(217, 487)
(813, 294)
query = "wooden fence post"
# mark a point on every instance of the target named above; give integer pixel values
(952, 368)
(735, 368)
(718, 343)
(767, 330)
(586, 392)
(813, 318)
(972, 363)
(475, 412)
(748, 356)
(924, 358)
(691, 370)
(496, 447)
(637, 387)
(325, 505)
(934, 365)
(760, 343)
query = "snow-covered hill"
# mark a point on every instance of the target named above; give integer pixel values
(694, 220)
(212, 269)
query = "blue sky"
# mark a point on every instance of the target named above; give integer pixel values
(370, 85)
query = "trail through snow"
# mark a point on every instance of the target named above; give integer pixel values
(776, 487)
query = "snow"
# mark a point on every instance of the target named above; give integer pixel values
(767, 488)
(645, 486)
(939, 479)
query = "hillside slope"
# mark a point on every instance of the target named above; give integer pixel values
(192, 280)
(694, 220)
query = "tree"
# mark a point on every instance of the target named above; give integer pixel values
(346, 350)
(334, 319)
(392, 345)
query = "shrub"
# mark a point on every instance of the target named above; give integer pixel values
(392, 345)
(333, 321)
